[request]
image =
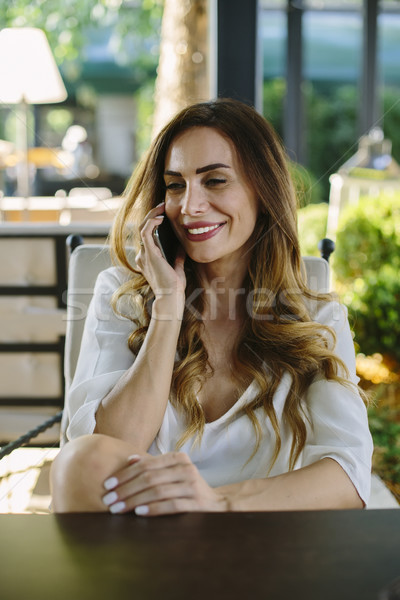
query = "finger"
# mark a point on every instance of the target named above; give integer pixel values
(168, 459)
(157, 210)
(138, 464)
(114, 480)
(126, 485)
(153, 213)
(147, 230)
(166, 507)
(151, 486)
(158, 493)
(140, 478)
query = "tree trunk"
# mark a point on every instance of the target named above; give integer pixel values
(182, 76)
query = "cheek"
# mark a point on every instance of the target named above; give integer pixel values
(172, 212)
(171, 209)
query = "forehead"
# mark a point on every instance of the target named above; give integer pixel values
(198, 147)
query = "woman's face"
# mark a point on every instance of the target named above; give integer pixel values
(211, 205)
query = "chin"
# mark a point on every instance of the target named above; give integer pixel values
(203, 257)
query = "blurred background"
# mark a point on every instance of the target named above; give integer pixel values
(108, 54)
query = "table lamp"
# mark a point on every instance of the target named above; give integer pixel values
(28, 75)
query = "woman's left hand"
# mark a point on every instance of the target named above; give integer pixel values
(161, 485)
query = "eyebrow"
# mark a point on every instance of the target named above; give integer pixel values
(200, 169)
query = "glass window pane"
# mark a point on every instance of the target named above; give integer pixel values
(273, 37)
(332, 72)
(389, 75)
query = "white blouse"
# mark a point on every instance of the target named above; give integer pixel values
(339, 419)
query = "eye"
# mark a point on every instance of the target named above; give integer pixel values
(174, 186)
(215, 181)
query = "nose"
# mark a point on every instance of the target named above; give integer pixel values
(194, 201)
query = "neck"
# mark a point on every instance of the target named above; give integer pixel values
(224, 286)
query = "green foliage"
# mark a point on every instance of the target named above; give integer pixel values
(374, 304)
(145, 108)
(331, 117)
(66, 24)
(312, 221)
(366, 264)
(63, 22)
(391, 120)
(133, 30)
(273, 101)
(368, 237)
(331, 123)
(384, 423)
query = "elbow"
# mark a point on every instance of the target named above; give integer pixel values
(353, 500)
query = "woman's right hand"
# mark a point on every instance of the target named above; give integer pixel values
(167, 283)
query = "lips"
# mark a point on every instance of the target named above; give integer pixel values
(198, 232)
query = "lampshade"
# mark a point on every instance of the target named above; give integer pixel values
(28, 71)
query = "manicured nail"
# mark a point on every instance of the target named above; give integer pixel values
(118, 507)
(111, 483)
(159, 217)
(110, 498)
(161, 203)
(134, 457)
(142, 510)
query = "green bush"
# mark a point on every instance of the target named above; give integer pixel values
(312, 221)
(366, 266)
(384, 423)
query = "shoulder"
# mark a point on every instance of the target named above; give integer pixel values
(334, 315)
(112, 278)
(330, 313)
(126, 304)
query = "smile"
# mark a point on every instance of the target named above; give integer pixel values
(202, 229)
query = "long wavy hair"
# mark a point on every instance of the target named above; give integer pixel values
(278, 334)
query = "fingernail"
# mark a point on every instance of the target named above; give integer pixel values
(110, 483)
(118, 507)
(142, 510)
(110, 498)
(159, 217)
(161, 203)
(134, 457)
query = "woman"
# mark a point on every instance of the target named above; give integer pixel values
(221, 382)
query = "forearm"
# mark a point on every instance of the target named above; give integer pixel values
(134, 409)
(322, 485)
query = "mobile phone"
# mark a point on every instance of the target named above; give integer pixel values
(166, 240)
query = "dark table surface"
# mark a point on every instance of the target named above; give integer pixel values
(327, 555)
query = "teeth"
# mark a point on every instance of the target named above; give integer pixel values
(202, 229)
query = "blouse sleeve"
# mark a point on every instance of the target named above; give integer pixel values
(104, 356)
(339, 424)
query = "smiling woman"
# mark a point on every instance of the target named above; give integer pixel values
(218, 382)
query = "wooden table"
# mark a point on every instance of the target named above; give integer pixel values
(339, 555)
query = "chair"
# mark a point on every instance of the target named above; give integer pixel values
(86, 262)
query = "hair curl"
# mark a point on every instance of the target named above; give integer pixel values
(278, 336)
